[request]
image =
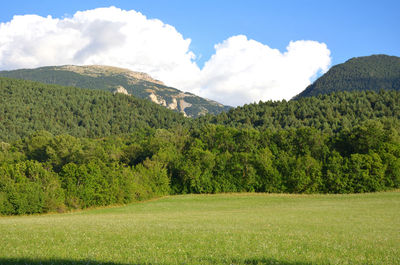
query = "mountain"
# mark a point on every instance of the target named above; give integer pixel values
(373, 72)
(119, 80)
(28, 106)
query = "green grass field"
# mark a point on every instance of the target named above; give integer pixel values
(214, 229)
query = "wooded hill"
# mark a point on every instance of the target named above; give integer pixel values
(373, 72)
(27, 107)
(115, 79)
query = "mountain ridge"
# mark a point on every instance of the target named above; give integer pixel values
(96, 70)
(111, 79)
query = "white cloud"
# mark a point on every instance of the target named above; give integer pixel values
(241, 70)
(245, 70)
(109, 36)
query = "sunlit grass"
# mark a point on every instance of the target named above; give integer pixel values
(214, 229)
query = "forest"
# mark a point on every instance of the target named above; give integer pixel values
(45, 172)
(328, 113)
(27, 107)
(67, 148)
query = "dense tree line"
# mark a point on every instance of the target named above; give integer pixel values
(27, 107)
(328, 113)
(44, 172)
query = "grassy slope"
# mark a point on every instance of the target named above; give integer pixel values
(217, 229)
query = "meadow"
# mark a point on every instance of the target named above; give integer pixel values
(243, 228)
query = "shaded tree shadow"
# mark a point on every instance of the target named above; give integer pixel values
(269, 261)
(26, 261)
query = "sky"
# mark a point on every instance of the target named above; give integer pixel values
(234, 52)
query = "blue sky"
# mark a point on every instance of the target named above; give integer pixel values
(350, 28)
(338, 30)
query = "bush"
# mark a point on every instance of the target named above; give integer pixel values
(27, 187)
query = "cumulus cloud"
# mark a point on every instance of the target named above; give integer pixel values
(241, 70)
(108, 36)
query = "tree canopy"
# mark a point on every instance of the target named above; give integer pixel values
(27, 107)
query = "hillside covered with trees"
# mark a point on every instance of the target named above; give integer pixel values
(27, 107)
(112, 79)
(373, 72)
(328, 113)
